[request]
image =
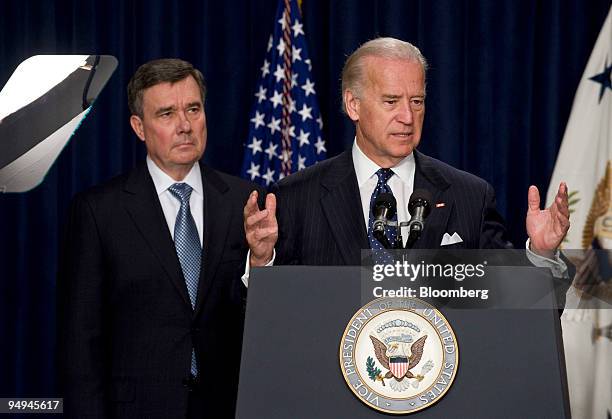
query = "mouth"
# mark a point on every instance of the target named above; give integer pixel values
(185, 144)
(402, 134)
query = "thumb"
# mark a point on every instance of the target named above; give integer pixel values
(533, 198)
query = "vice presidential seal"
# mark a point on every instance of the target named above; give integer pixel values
(399, 355)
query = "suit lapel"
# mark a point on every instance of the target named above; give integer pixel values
(341, 205)
(217, 213)
(142, 204)
(427, 176)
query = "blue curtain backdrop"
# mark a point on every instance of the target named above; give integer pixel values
(503, 76)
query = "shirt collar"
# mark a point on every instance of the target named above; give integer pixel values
(366, 168)
(163, 181)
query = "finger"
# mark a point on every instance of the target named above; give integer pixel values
(562, 189)
(264, 233)
(271, 204)
(533, 198)
(251, 205)
(557, 208)
(256, 218)
(561, 213)
(562, 217)
(562, 207)
(562, 192)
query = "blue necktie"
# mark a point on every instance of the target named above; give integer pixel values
(380, 255)
(188, 249)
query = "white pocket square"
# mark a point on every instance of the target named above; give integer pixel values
(447, 239)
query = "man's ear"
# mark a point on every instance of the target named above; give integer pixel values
(136, 124)
(351, 105)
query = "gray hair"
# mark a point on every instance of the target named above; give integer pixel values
(166, 70)
(353, 73)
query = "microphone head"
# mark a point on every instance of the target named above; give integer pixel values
(385, 200)
(420, 198)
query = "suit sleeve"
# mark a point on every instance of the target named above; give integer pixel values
(288, 236)
(81, 312)
(493, 231)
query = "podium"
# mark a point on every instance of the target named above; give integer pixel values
(511, 360)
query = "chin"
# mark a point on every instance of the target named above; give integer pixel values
(186, 159)
(404, 151)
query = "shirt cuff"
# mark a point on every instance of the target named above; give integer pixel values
(247, 267)
(556, 265)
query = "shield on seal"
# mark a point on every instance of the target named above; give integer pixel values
(398, 365)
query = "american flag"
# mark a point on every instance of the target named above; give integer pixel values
(285, 125)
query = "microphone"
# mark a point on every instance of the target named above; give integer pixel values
(383, 209)
(419, 207)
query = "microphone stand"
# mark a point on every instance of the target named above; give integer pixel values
(382, 238)
(413, 236)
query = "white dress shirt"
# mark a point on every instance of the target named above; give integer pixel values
(401, 183)
(170, 205)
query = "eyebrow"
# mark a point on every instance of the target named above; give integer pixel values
(173, 108)
(164, 110)
(389, 96)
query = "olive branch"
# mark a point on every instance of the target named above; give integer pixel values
(373, 371)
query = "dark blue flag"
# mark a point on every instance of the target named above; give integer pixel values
(285, 123)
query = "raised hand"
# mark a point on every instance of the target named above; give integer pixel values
(547, 228)
(261, 229)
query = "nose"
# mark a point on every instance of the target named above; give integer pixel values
(404, 113)
(183, 124)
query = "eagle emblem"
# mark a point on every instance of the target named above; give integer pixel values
(396, 359)
(398, 351)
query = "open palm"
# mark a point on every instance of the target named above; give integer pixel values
(547, 228)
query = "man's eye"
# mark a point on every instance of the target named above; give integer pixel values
(193, 110)
(391, 101)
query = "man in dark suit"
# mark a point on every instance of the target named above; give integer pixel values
(151, 302)
(325, 211)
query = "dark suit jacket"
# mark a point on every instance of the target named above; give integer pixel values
(127, 327)
(321, 219)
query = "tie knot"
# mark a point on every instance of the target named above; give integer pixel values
(384, 175)
(181, 191)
